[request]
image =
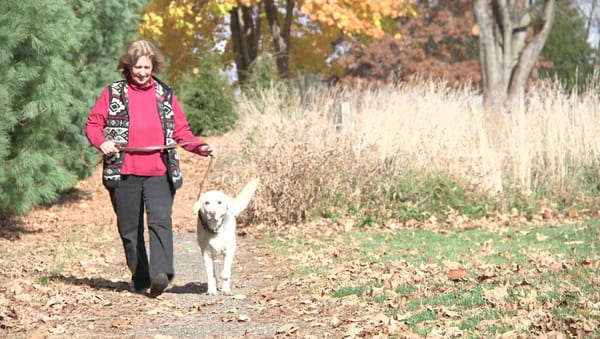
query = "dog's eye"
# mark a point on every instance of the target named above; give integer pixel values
(219, 202)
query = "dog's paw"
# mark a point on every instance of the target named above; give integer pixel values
(226, 289)
(212, 292)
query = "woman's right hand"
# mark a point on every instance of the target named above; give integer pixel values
(109, 147)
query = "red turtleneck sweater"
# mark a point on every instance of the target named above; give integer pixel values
(145, 129)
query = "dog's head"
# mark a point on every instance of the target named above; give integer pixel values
(212, 206)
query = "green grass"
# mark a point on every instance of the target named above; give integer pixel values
(511, 273)
(419, 245)
(309, 270)
(349, 290)
(414, 195)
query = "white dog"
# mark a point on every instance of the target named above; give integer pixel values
(216, 231)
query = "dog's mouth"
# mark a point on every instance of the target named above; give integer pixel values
(211, 222)
(213, 217)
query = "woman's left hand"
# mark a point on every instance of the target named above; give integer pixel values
(208, 150)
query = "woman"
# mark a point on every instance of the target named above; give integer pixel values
(136, 123)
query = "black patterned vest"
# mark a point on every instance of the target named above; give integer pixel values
(117, 130)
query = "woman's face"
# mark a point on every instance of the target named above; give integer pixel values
(141, 72)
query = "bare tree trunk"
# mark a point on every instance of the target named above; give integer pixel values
(505, 56)
(590, 18)
(281, 38)
(245, 34)
(489, 56)
(531, 52)
(591, 21)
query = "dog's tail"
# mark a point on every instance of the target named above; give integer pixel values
(241, 201)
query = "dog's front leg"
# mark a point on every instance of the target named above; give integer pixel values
(210, 273)
(226, 272)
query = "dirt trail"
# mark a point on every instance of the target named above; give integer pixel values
(199, 315)
(63, 274)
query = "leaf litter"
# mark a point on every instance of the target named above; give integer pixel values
(62, 274)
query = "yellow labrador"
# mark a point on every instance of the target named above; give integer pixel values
(216, 231)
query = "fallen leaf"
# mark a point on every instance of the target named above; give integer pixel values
(352, 331)
(541, 237)
(380, 319)
(457, 274)
(287, 329)
(125, 324)
(60, 329)
(156, 311)
(496, 296)
(243, 318)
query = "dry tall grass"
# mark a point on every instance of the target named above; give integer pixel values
(308, 164)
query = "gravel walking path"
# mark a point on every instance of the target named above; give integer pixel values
(197, 315)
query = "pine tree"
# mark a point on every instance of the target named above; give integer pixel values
(51, 67)
(567, 49)
(207, 98)
(37, 83)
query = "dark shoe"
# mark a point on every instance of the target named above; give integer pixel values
(139, 286)
(138, 290)
(158, 285)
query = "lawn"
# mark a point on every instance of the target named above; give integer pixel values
(481, 282)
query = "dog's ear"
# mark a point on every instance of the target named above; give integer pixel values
(197, 206)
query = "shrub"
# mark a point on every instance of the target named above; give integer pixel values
(264, 80)
(263, 75)
(208, 99)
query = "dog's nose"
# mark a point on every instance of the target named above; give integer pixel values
(211, 213)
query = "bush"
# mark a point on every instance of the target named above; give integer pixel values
(263, 80)
(262, 76)
(208, 99)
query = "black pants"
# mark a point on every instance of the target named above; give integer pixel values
(134, 196)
